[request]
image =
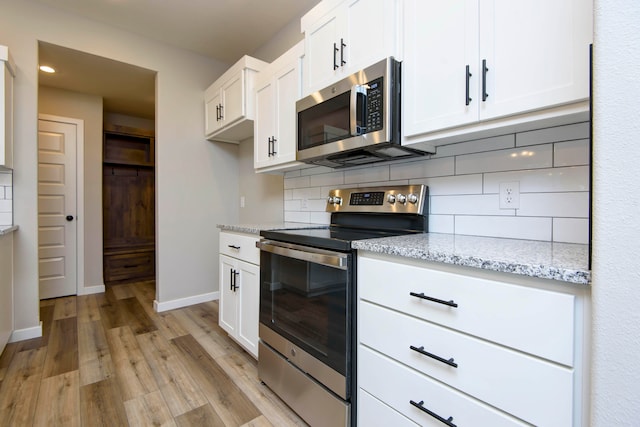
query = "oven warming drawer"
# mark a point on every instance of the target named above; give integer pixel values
(304, 395)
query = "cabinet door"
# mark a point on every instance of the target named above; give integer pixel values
(212, 114)
(264, 124)
(371, 32)
(287, 92)
(248, 305)
(440, 41)
(320, 56)
(228, 316)
(233, 105)
(537, 53)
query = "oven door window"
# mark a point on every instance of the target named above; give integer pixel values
(325, 122)
(307, 303)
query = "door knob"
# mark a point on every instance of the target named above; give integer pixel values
(69, 217)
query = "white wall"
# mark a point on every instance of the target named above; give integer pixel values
(616, 225)
(88, 108)
(193, 178)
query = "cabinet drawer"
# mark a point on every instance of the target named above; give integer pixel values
(536, 321)
(240, 246)
(527, 387)
(374, 413)
(399, 385)
(129, 266)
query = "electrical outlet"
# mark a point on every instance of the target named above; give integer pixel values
(510, 195)
(304, 203)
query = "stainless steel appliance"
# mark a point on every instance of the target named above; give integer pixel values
(354, 121)
(308, 299)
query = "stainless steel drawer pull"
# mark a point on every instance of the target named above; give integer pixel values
(422, 351)
(439, 301)
(447, 421)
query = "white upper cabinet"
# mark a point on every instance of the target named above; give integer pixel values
(472, 61)
(229, 102)
(278, 87)
(343, 38)
(7, 74)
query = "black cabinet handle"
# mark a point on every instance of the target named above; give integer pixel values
(335, 50)
(231, 279)
(269, 146)
(221, 110)
(421, 350)
(420, 405)
(342, 46)
(218, 113)
(234, 247)
(485, 95)
(69, 218)
(235, 281)
(468, 99)
(273, 146)
(421, 295)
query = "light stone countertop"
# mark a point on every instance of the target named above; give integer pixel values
(557, 261)
(7, 229)
(257, 228)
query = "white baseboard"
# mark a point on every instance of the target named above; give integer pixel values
(87, 290)
(184, 302)
(26, 334)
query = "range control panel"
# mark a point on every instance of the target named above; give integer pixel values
(391, 199)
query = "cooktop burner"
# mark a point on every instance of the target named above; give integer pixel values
(363, 213)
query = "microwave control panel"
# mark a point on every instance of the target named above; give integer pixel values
(374, 105)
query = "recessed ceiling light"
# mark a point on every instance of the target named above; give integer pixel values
(47, 69)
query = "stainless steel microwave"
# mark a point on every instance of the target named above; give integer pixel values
(354, 121)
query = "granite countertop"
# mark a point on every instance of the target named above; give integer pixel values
(558, 261)
(7, 229)
(257, 228)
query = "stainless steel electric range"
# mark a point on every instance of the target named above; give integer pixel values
(308, 299)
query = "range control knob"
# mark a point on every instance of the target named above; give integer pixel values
(334, 200)
(401, 198)
(391, 199)
(412, 198)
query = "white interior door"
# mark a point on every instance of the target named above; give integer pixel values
(57, 223)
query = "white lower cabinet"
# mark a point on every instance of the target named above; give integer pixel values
(239, 291)
(484, 351)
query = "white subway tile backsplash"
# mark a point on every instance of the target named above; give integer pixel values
(441, 224)
(571, 230)
(5, 206)
(512, 227)
(368, 174)
(575, 205)
(306, 193)
(8, 193)
(461, 184)
(6, 218)
(553, 134)
(541, 180)
(291, 216)
(539, 156)
(423, 168)
(320, 217)
(333, 178)
(488, 204)
(299, 182)
(5, 178)
(488, 144)
(551, 166)
(571, 153)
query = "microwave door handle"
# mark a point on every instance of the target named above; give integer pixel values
(354, 113)
(303, 253)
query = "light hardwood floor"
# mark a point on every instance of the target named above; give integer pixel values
(110, 360)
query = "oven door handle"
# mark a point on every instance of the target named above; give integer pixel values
(305, 253)
(358, 115)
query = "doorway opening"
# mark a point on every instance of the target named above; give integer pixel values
(116, 102)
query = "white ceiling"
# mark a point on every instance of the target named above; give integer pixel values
(221, 29)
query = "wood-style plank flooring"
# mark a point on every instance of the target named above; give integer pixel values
(110, 360)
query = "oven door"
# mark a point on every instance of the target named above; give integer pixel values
(305, 297)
